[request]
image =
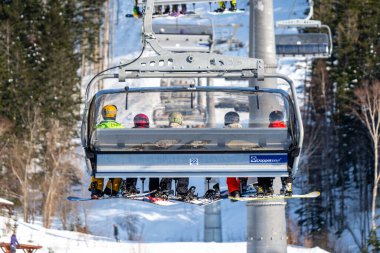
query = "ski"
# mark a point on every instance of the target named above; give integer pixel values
(198, 201)
(313, 194)
(226, 12)
(158, 201)
(131, 197)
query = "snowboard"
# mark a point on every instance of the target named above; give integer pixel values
(131, 197)
(226, 12)
(309, 195)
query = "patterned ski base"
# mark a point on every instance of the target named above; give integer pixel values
(130, 197)
(198, 202)
(314, 194)
(159, 201)
(226, 12)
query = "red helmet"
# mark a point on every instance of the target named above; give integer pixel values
(141, 121)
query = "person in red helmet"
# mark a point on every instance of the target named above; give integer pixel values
(265, 184)
(139, 121)
(232, 120)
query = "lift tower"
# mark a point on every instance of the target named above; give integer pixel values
(266, 226)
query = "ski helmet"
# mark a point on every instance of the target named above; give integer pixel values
(109, 111)
(276, 115)
(141, 121)
(231, 117)
(175, 117)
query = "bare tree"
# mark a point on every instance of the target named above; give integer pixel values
(59, 171)
(21, 154)
(368, 100)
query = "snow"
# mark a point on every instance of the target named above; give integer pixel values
(60, 241)
(5, 202)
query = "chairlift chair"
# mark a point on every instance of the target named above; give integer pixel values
(306, 44)
(185, 152)
(190, 33)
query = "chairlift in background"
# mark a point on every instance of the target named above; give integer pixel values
(305, 44)
(189, 33)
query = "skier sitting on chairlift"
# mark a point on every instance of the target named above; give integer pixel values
(232, 120)
(165, 185)
(265, 184)
(129, 187)
(96, 186)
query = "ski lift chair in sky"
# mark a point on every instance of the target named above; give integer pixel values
(305, 44)
(190, 33)
(253, 150)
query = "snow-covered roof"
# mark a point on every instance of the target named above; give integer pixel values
(5, 202)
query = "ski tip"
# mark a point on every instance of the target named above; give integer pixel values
(309, 195)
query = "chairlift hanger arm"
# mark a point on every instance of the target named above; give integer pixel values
(201, 64)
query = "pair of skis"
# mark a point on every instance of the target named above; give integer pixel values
(147, 197)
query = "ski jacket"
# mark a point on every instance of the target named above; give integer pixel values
(109, 124)
(234, 125)
(277, 124)
(233, 183)
(174, 125)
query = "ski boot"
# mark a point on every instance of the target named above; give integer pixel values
(260, 191)
(213, 193)
(166, 10)
(162, 194)
(189, 195)
(286, 189)
(128, 187)
(183, 9)
(269, 191)
(157, 10)
(222, 7)
(136, 12)
(233, 7)
(243, 184)
(95, 193)
(234, 194)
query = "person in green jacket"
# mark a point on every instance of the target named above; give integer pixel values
(109, 113)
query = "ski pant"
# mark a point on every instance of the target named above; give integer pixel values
(115, 184)
(99, 182)
(234, 183)
(265, 182)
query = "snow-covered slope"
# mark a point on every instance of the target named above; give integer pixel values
(60, 241)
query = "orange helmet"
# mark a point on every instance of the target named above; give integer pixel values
(109, 111)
